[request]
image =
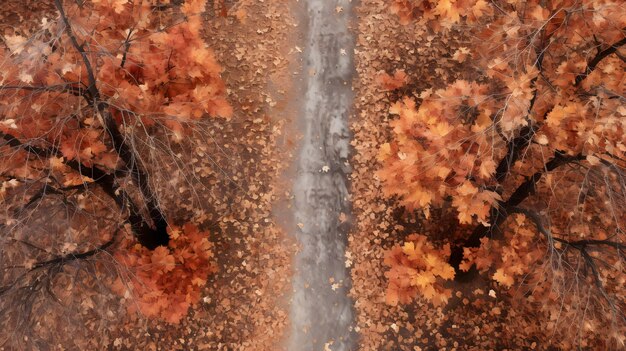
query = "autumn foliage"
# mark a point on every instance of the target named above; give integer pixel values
(531, 154)
(418, 268)
(146, 70)
(418, 165)
(87, 102)
(166, 281)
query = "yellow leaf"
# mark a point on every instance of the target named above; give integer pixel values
(446, 271)
(119, 5)
(384, 152)
(391, 297)
(542, 139)
(467, 188)
(502, 278)
(15, 43)
(593, 160)
(487, 168)
(483, 121)
(408, 248)
(424, 279)
(420, 197)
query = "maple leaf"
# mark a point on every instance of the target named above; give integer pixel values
(118, 5)
(461, 54)
(162, 258)
(468, 259)
(448, 10)
(392, 295)
(445, 271)
(480, 9)
(404, 10)
(15, 43)
(503, 278)
(197, 281)
(487, 168)
(177, 312)
(467, 188)
(26, 77)
(388, 82)
(193, 7)
(419, 197)
(410, 251)
(424, 279)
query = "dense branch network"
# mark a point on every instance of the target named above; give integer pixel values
(152, 234)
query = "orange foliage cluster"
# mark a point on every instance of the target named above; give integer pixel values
(167, 73)
(440, 12)
(418, 268)
(541, 132)
(165, 282)
(147, 70)
(439, 147)
(139, 64)
(512, 256)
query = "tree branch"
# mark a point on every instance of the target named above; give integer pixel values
(107, 182)
(59, 261)
(48, 189)
(139, 176)
(581, 246)
(593, 63)
(74, 256)
(519, 144)
(501, 210)
(93, 90)
(515, 148)
(69, 87)
(149, 234)
(528, 187)
(126, 47)
(120, 145)
(16, 143)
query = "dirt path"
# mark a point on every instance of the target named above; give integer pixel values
(321, 313)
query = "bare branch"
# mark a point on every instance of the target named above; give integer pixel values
(159, 235)
(107, 182)
(70, 87)
(580, 245)
(93, 90)
(501, 210)
(74, 256)
(58, 262)
(126, 47)
(591, 65)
